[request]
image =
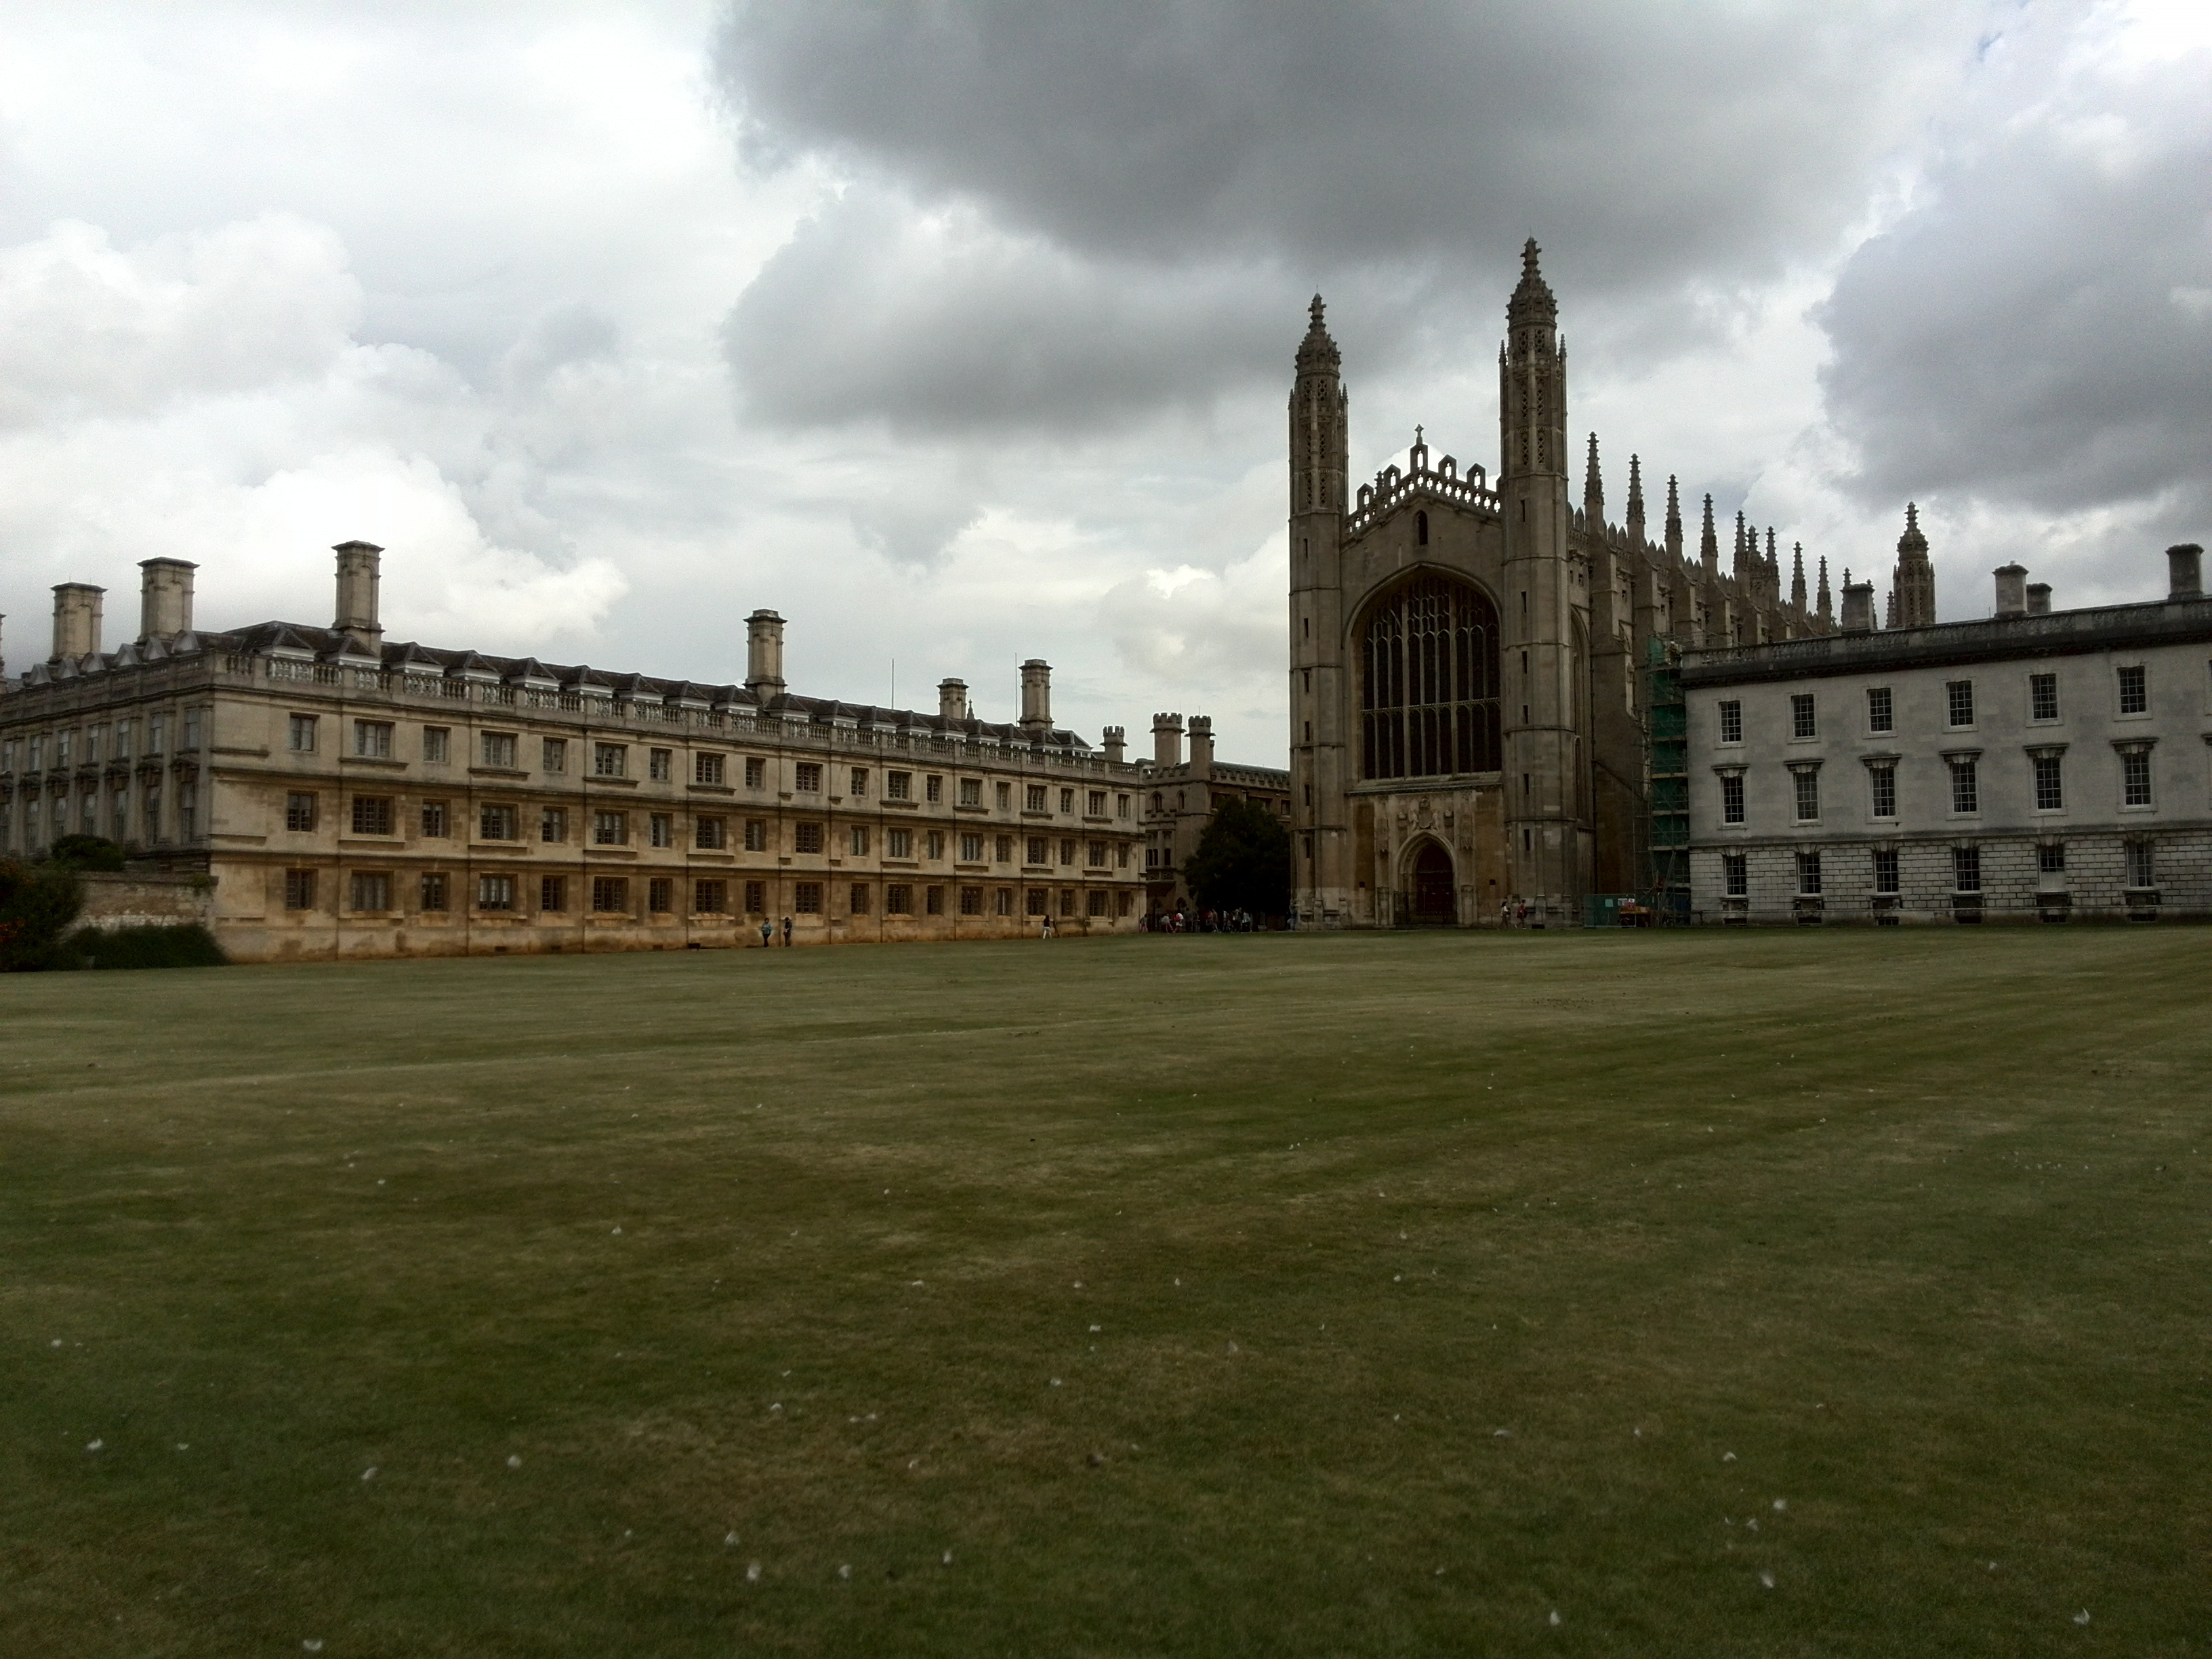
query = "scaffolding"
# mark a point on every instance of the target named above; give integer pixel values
(1667, 783)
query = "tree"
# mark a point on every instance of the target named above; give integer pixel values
(1242, 861)
(85, 853)
(37, 905)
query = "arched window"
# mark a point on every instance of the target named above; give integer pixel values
(1429, 702)
(1421, 528)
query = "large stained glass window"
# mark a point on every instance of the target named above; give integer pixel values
(1429, 705)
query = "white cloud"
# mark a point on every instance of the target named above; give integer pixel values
(202, 396)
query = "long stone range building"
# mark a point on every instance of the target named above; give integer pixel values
(1466, 724)
(351, 796)
(2033, 765)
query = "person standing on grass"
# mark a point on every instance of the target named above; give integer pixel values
(786, 932)
(1045, 931)
(767, 933)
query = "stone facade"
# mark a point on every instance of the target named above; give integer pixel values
(1466, 725)
(1181, 797)
(351, 797)
(2039, 764)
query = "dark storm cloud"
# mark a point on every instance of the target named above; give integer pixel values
(939, 323)
(1116, 164)
(2040, 331)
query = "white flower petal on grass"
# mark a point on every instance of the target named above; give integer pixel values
(369, 1473)
(1727, 1457)
(947, 1561)
(94, 1445)
(1055, 1381)
(729, 1538)
(56, 1343)
(514, 1461)
(1767, 1579)
(1555, 1615)
(2082, 1617)
(845, 1571)
(752, 1572)
(313, 1645)
(1780, 1505)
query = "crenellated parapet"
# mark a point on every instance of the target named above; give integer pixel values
(1441, 482)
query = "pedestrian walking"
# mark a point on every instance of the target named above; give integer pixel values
(786, 932)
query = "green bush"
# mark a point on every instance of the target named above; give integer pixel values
(85, 853)
(183, 944)
(37, 905)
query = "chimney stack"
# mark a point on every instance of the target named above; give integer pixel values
(952, 700)
(358, 564)
(2012, 590)
(2184, 567)
(1036, 697)
(764, 655)
(1858, 607)
(2039, 598)
(1167, 740)
(1117, 745)
(164, 599)
(76, 619)
(1201, 745)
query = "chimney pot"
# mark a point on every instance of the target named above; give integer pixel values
(952, 700)
(2012, 590)
(2039, 598)
(1117, 745)
(1858, 608)
(764, 655)
(165, 598)
(1036, 697)
(76, 619)
(359, 567)
(2185, 566)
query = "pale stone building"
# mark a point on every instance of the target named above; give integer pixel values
(2037, 765)
(1181, 798)
(1466, 719)
(355, 797)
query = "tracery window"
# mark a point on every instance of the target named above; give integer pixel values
(1430, 690)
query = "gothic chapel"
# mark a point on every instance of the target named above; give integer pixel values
(1465, 713)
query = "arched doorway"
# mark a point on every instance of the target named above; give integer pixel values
(1436, 899)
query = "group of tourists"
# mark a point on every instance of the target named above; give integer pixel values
(1179, 921)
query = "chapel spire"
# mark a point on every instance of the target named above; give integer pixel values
(1318, 410)
(1709, 545)
(1912, 585)
(1594, 488)
(1797, 576)
(1827, 610)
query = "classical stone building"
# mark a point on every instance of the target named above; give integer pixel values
(351, 796)
(1467, 724)
(2038, 764)
(1181, 798)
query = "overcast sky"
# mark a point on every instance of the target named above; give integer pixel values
(960, 333)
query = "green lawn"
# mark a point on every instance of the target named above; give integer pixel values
(1370, 1294)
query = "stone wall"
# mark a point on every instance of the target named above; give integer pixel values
(149, 900)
